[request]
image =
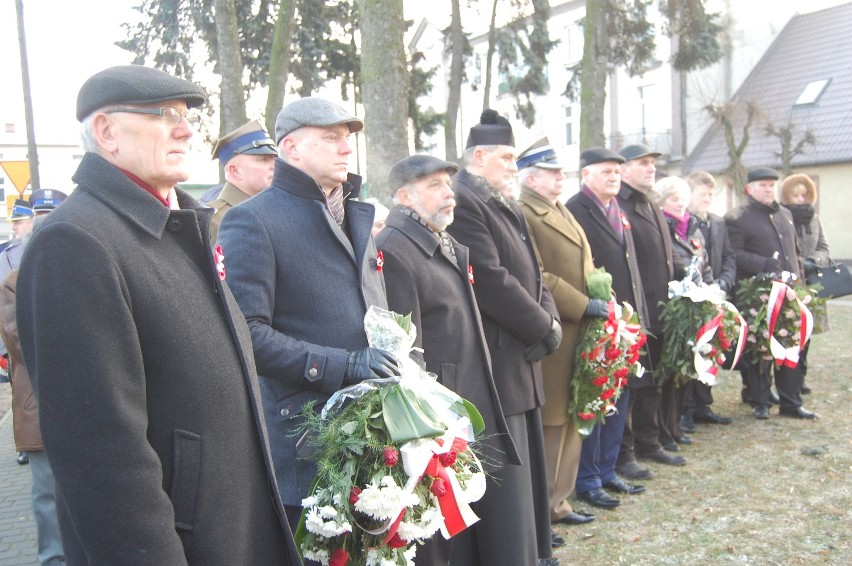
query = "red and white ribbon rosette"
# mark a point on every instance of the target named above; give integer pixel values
(780, 293)
(705, 368)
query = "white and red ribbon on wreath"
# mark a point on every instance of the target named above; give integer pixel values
(706, 368)
(787, 356)
(618, 328)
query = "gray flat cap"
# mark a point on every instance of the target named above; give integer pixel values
(135, 84)
(416, 166)
(313, 111)
(637, 150)
(599, 155)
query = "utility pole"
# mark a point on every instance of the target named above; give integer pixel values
(32, 149)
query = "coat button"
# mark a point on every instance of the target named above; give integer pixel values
(312, 372)
(285, 412)
(174, 225)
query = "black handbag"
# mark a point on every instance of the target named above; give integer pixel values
(835, 279)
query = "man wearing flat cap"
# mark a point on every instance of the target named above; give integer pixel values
(140, 358)
(643, 431)
(521, 327)
(596, 210)
(427, 274)
(247, 156)
(565, 258)
(763, 236)
(304, 270)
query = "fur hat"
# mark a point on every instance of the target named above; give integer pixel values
(793, 181)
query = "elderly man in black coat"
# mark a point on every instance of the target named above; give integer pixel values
(654, 256)
(140, 358)
(521, 326)
(764, 239)
(427, 274)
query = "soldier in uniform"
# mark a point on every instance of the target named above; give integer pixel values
(247, 155)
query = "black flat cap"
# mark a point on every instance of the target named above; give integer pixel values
(636, 151)
(598, 155)
(416, 166)
(135, 84)
(492, 129)
(760, 173)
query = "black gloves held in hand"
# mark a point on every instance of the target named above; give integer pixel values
(810, 266)
(548, 344)
(597, 307)
(370, 363)
(772, 265)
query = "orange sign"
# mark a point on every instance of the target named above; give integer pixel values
(18, 172)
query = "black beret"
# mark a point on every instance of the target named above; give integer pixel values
(417, 166)
(636, 151)
(492, 129)
(598, 155)
(135, 84)
(759, 173)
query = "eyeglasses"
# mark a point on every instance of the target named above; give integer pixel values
(170, 114)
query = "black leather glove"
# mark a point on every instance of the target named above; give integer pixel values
(723, 285)
(547, 345)
(810, 265)
(772, 265)
(370, 363)
(597, 307)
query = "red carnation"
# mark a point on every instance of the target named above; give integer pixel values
(621, 382)
(621, 373)
(447, 459)
(600, 380)
(396, 541)
(607, 394)
(613, 353)
(339, 558)
(438, 488)
(586, 416)
(641, 340)
(354, 494)
(391, 456)
(633, 358)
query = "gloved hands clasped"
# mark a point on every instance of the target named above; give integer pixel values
(547, 345)
(598, 308)
(370, 363)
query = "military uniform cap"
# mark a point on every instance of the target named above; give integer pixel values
(540, 154)
(134, 84)
(251, 139)
(313, 111)
(416, 166)
(45, 200)
(599, 155)
(636, 151)
(492, 129)
(760, 173)
(21, 210)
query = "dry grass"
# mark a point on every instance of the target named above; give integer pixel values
(754, 492)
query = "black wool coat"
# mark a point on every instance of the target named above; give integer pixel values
(516, 308)
(723, 260)
(148, 396)
(435, 288)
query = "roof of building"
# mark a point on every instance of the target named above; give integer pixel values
(804, 79)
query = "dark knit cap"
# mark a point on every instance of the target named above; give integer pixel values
(492, 129)
(135, 84)
(760, 173)
(416, 166)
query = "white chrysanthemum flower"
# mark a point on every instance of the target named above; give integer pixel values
(315, 522)
(327, 512)
(409, 555)
(385, 501)
(375, 557)
(474, 487)
(311, 501)
(320, 555)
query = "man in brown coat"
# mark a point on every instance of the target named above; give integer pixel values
(565, 258)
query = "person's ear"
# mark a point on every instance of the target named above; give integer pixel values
(106, 132)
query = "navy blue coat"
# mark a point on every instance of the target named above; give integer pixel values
(304, 285)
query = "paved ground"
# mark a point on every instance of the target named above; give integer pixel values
(17, 529)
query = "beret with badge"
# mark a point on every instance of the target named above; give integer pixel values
(416, 166)
(313, 111)
(251, 139)
(134, 84)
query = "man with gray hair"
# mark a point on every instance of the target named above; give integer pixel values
(304, 270)
(139, 357)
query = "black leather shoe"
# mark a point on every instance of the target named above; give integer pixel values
(711, 418)
(798, 413)
(23, 458)
(671, 447)
(687, 423)
(633, 471)
(575, 518)
(685, 440)
(761, 412)
(663, 457)
(548, 562)
(773, 397)
(599, 498)
(622, 486)
(556, 541)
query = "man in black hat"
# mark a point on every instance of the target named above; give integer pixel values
(642, 432)
(763, 236)
(304, 270)
(427, 275)
(521, 326)
(610, 236)
(247, 156)
(140, 358)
